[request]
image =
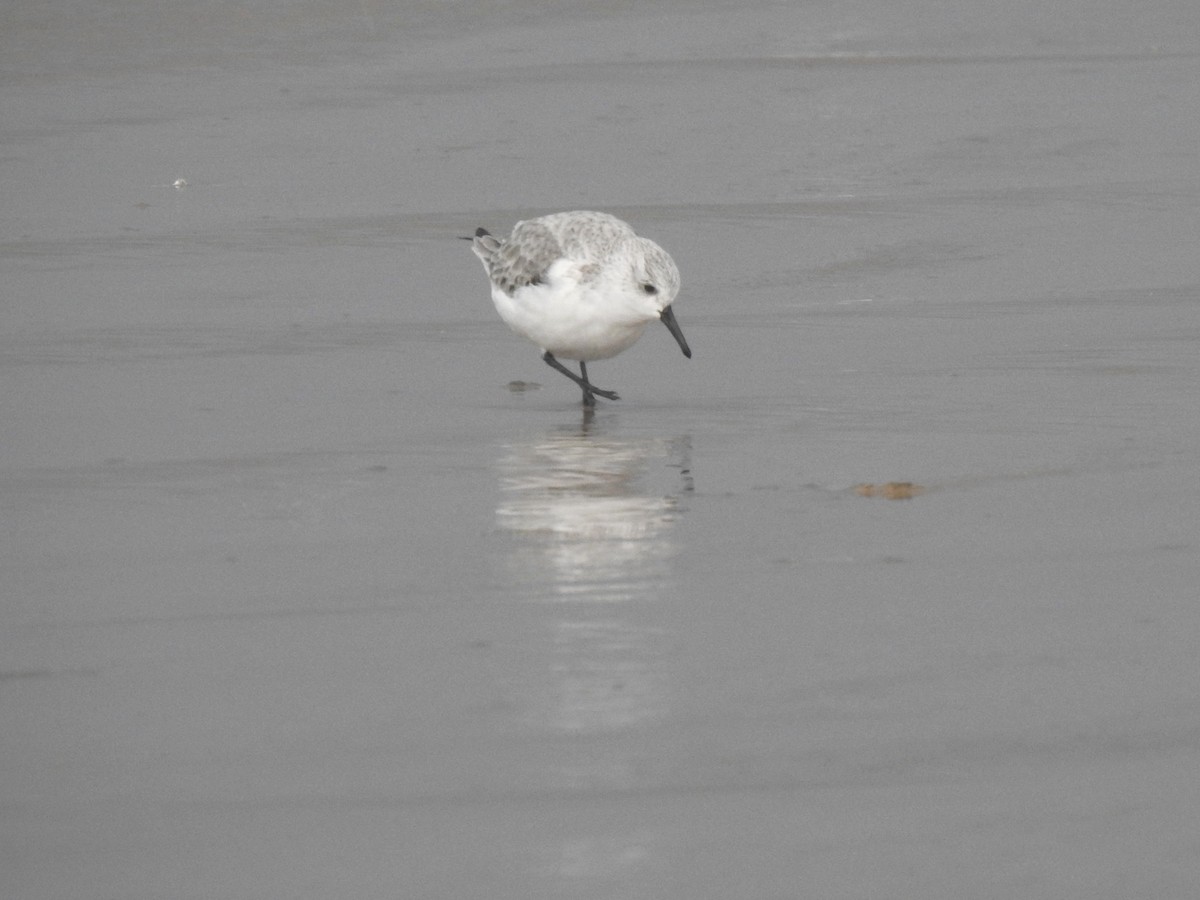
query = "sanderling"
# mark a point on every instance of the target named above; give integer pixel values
(580, 285)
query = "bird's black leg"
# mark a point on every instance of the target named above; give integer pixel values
(589, 399)
(589, 389)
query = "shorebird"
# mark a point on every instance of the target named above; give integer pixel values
(582, 286)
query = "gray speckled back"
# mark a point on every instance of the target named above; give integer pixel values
(536, 243)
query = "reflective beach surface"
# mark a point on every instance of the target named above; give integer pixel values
(316, 582)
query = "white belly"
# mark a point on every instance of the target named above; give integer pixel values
(572, 324)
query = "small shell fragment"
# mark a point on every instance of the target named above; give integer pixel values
(891, 490)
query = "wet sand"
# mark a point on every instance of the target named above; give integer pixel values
(316, 582)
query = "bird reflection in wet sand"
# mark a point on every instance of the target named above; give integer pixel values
(581, 285)
(593, 538)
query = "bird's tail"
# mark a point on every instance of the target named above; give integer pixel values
(484, 244)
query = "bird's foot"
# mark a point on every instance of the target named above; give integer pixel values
(589, 396)
(590, 391)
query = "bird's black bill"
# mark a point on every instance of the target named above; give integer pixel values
(668, 319)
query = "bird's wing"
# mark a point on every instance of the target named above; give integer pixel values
(524, 258)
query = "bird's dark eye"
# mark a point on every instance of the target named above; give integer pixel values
(649, 289)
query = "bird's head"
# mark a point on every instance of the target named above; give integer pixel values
(655, 285)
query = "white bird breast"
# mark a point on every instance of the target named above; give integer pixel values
(578, 323)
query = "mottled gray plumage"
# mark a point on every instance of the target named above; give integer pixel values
(535, 244)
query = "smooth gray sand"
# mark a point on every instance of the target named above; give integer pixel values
(315, 582)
